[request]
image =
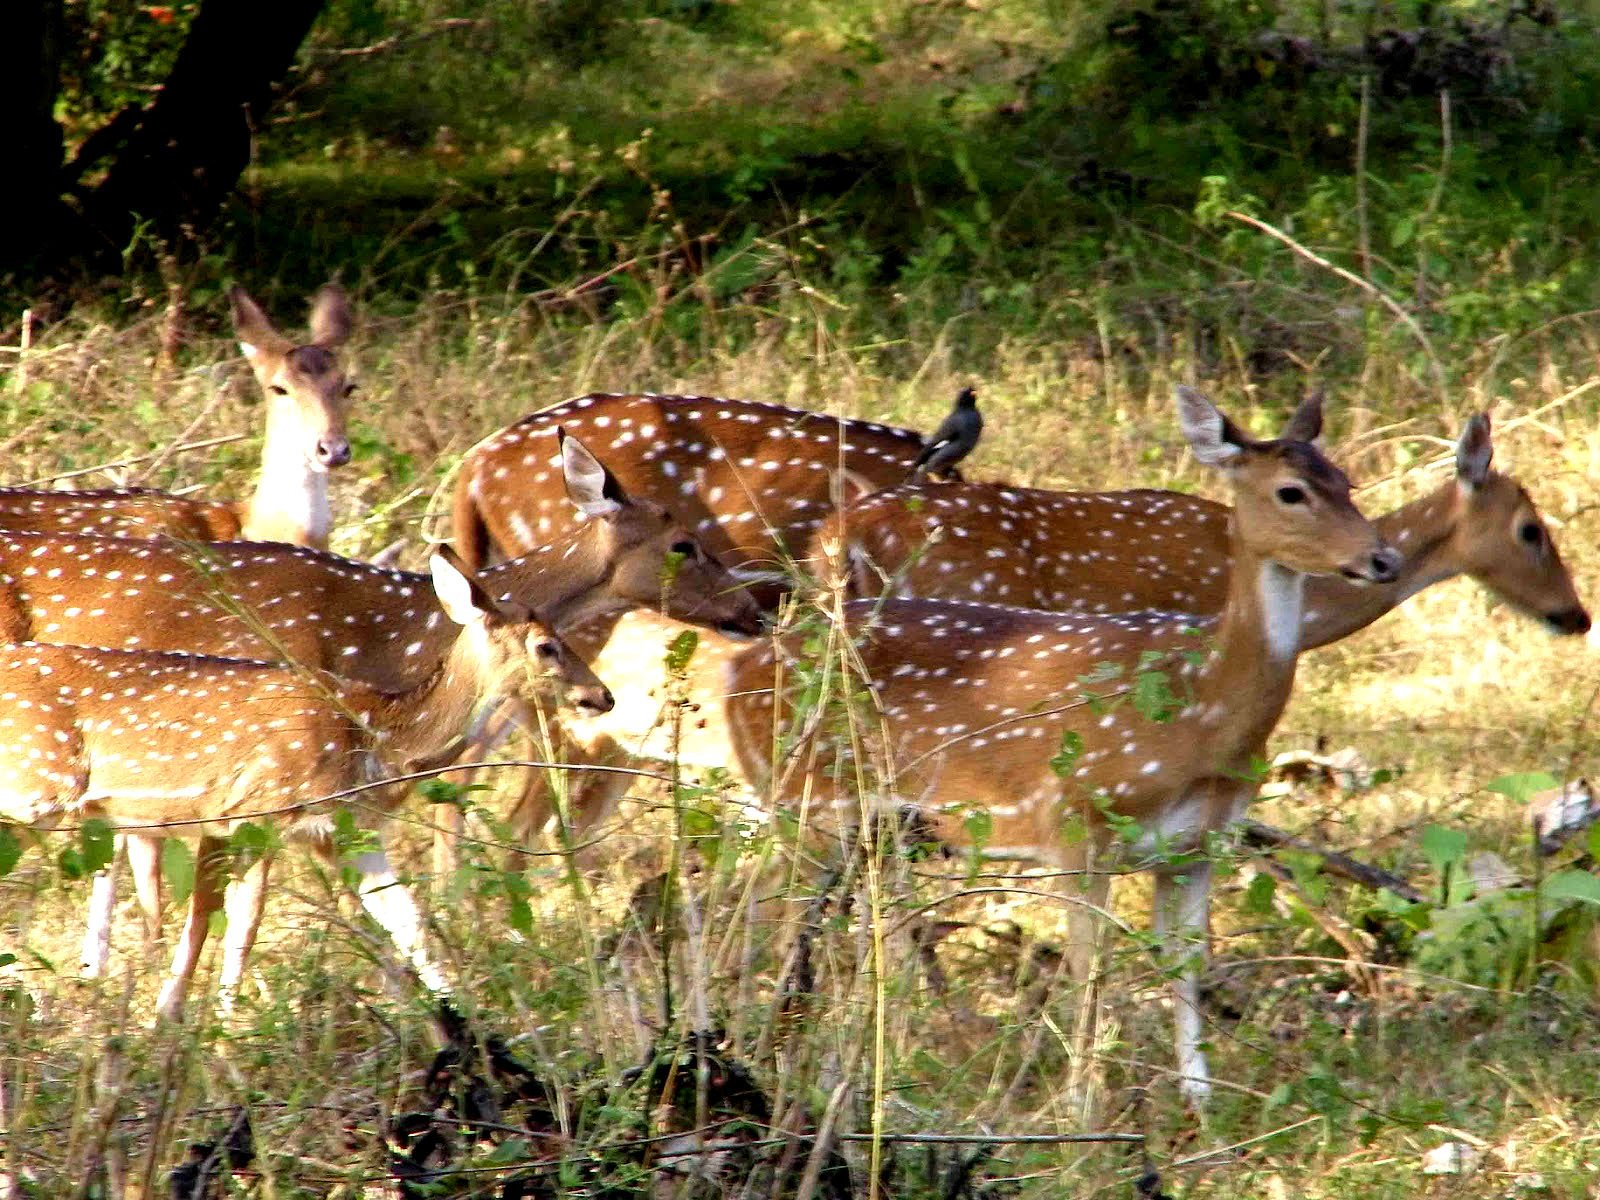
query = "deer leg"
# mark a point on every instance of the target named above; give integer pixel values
(209, 877)
(102, 914)
(1091, 892)
(145, 862)
(144, 859)
(391, 904)
(1182, 906)
(450, 824)
(246, 900)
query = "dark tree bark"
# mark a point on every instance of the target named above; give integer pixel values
(30, 70)
(173, 162)
(184, 156)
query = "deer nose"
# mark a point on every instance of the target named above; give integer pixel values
(1571, 620)
(1385, 564)
(1381, 566)
(594, 700)
(333, 452)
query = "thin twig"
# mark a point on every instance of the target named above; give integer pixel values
(991, 1139)
(163, 453)
(1373, 290)
(1363, 230)
(397, 40)
(1434, 198)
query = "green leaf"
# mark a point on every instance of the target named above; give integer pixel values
(681, 650)
(99, 842)
(1572, 885)
(7, 958)
(1522, 787)
(11, 850)
(1104, 672)
(70, 861)
(1067, 757)
(980, 827)
(1443, 847)
(1153, 697)
(177, 865)
(520, 914)
(512, 1150)
(700, 823)
(441, 791)
(1594, 847)
(1258, 896)
(250, 840)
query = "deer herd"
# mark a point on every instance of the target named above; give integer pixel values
(178, 667)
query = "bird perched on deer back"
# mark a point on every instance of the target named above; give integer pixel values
(953, 440)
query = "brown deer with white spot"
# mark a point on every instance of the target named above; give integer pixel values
(1118, 551)
(974, 700)
(751, 479)
(377, 626)
(198, 745)
(308, 401)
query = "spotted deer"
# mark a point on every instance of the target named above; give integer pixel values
(1116, 551)
(198, 745)
(308, 400)
(974, 700)
(751, 479)
(1088, 552)
(377, 626)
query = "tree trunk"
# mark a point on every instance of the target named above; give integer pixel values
(30, 62)
(182, 159)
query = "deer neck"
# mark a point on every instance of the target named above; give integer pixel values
(567, 578)
(1422, 531)
(290, 503)
(1243, 684)
(423, 724)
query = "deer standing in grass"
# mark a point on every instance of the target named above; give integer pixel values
(308, 401)
(1088, 552)
(974, 700)
(198, 745)
(307, 406)
(376, 626)
(751, 479)
(1117, 551)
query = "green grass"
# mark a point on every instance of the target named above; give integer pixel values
(1362, 1070)
(860, 208)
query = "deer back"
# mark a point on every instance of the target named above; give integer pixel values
(751, 479)
(1059, 551)
(117, 512)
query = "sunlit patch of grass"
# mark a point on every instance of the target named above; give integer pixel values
(1448, 693)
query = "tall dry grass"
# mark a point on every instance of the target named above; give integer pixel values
(1353, 1072)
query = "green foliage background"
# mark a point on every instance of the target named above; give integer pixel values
(1060, 167)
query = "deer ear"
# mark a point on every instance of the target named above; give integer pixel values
(589, 485)
(331, 320)
(1215, 440)
(463, 598)
(1475, 451)
(250, 325)
(1305, 423)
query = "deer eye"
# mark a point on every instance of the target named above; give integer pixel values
(1289, 494)
(687, 549)
(277, 389)
(349, 389)
(548, 651)
(1530, 533)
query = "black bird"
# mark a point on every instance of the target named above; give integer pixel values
(953, 440)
